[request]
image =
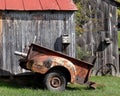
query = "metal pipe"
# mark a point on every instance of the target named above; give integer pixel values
(20, 54)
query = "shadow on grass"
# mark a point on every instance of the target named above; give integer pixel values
(32, 82)
(29, 82)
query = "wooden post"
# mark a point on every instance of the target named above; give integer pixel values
(1, 51)
(0, 25)
(0, 32)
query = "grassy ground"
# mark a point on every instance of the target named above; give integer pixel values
(111, 87)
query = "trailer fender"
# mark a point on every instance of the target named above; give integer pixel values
(59, 61)
(42, 64)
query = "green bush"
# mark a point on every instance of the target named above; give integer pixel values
(82, 54)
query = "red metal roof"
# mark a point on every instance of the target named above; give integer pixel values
(66, 4)
(13, 5)
(37, 5)
(32, 5)
(2, 4)
(49, 5)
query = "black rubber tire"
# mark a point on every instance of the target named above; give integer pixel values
(55, 81)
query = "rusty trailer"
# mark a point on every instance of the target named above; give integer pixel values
(58, 69)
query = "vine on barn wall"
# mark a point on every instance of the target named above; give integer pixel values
(84, 14)
(118, 11)
(83, 17)
(88, 14)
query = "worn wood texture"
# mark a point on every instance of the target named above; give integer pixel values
(20, 28)
(93, 39)
(1, 53)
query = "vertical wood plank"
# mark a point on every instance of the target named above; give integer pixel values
(105, 27)
(1, 52)
(20, 28)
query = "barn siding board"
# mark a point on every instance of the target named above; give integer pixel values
(105, 14)
(115, 39)
(72, 24)
(20, 28)
(1, 59)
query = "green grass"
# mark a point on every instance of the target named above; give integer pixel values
(111, 87)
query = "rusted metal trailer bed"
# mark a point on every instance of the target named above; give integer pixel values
(57, 68)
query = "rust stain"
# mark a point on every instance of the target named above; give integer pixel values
(81, 71)
(67, 64)
(41, 60)
(43, 63)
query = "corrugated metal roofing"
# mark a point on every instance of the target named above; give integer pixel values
(66, 4)
(2, 4)
(49, 4)
(37, 5)
(32, 5)
(13, 4)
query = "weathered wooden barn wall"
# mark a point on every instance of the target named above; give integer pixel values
(102, 25)
(18, 30)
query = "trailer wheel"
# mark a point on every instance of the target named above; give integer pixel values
(55, 81)
(107, 69)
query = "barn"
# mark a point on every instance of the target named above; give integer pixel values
(21, 21)
(100, 36)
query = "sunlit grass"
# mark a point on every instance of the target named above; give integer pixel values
(110, 86)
